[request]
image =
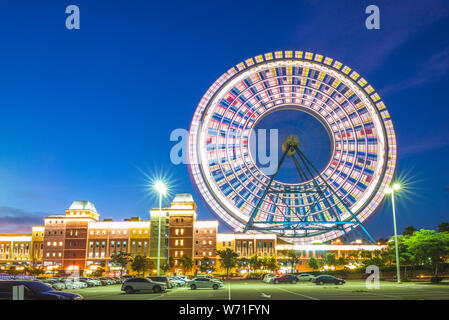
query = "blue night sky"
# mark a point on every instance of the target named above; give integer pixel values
(87, 114)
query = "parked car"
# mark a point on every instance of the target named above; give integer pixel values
(35, 290)
(185, 278)
(133, 285)
(95, 282)
(117, 280)
(109, 281)
(327, 279)
(163, 279)
(88, 282)
(74, 284)
(204, 282)
(177, 282)
(285, 278)
(305, 277)
(267, 277)
(55, 284)
(208, 276)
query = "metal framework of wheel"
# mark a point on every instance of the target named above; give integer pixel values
(321, 206)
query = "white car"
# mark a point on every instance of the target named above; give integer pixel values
(203, 282)
(268, 277)
(142, 284)
(305, 277)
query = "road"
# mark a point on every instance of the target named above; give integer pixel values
(257, 290)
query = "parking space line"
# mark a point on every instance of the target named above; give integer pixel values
(374, 294)
(298, 294)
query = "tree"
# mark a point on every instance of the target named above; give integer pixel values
(186, 263)
(365, 254)
(228, 259)
(341, 261)
(120, 259)
(313, 263)
(271, 264)
(405, 256)
(426, 246)
(408, 231)
(254, 262)
(443, 227)
(382, 241)
(294, 256)
(169, 264)
(329, 259)
(206, 265)
(242, 263)
(138, 264)
(98, 272)
(148, 264)
(36, 271)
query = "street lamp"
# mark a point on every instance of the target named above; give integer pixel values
(391, 190)
(162, 190)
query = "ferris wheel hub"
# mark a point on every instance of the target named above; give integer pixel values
(290, 143)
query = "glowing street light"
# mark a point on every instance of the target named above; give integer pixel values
(391, 190)
(161, 188)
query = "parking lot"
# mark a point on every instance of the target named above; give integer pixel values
(257, 290)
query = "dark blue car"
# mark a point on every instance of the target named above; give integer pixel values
(35, 290)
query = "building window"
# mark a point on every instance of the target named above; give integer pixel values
(182, 242)
(176, 231)
(182, 231)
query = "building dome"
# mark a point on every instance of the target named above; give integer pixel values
(83, 205)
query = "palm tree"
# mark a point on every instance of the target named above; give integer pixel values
(228, 259)
(294, 256)
(255, 263)
(186, 263)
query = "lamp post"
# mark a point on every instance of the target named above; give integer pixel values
(162, 190)
(391, 190)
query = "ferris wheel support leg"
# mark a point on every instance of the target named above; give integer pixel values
(304, 158)
(254, 212)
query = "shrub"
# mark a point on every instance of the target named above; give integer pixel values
(436, 279)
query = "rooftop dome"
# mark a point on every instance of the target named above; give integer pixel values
(83, 205)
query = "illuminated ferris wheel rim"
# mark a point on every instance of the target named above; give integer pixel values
(198, 155)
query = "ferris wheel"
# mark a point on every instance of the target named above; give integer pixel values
(322, 204)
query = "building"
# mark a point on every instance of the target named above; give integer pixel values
(205, 242)
(247, 245)
(78, 240)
